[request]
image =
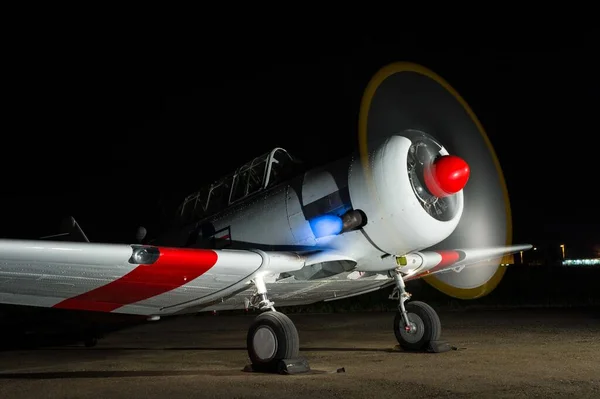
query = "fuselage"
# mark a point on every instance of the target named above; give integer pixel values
(279, 217)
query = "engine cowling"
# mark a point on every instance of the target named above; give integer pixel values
(403, 215)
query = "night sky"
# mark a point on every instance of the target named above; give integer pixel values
(108, 136)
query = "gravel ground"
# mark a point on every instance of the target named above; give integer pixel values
(500, 354)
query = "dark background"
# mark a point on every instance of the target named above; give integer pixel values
(111, 133)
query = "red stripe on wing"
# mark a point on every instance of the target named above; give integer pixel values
(448, 258)
(173, 268)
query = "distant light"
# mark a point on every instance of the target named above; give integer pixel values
(534, 248)
(581, 262)
(326, 225)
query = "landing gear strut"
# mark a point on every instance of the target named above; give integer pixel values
(272, 341)
(417, 326)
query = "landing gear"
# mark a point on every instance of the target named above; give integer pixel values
(417, 326)
(273, 343)
(424, 327)
(272, 337)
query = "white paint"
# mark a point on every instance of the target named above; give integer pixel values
(398, 224)
(317, 184)
(43, 273)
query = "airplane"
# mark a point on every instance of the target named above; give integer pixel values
(423, 197)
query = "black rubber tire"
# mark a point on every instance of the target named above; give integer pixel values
(287, 341)
(429, 327)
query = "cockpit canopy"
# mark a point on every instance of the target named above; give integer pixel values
(259, 174)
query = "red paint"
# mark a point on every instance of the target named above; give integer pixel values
(448, 258)
(174, 268)
(447, 175)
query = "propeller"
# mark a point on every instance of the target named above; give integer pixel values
(406, 97)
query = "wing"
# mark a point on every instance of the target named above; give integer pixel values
(152, 280)
(131, 279)
(421, 264)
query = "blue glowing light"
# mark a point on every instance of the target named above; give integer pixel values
(326, 225)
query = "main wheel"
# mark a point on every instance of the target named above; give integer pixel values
(272, 337)
(425, 326)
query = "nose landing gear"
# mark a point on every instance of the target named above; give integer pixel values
(417, 326)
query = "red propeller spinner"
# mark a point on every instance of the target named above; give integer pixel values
(447, 175)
